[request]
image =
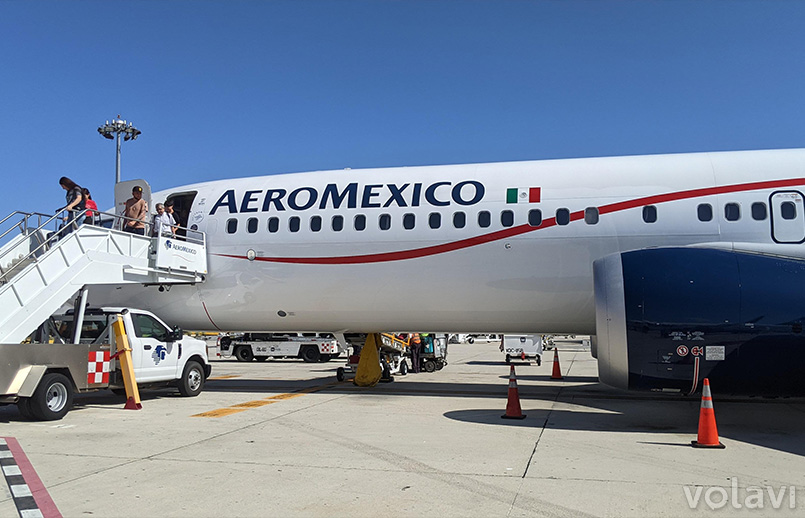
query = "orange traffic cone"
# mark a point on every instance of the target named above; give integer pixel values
(708, 433)
(557, 371)
(513, 410)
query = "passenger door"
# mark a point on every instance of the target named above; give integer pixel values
(158, 358)
(787, 217)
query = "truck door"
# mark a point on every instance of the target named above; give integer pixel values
(158, 358)
(787, 217)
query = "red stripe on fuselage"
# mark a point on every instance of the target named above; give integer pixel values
(523, 229)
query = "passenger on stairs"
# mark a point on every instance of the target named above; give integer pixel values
(75, 202)
(92, 208)
(136, 210)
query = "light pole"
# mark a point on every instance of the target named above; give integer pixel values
(118, 126)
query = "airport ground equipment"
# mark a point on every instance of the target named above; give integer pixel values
(45, 260)
(310, 347)
(523, 347)
(433, 356)
(41, 378)
(392, 352)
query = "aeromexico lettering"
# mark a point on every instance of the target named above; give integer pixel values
(352, 196)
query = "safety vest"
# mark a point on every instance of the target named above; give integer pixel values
(415, 338)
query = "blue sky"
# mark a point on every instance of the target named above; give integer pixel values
(239, 88)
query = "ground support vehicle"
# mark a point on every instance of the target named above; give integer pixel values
(311, 347)
(523, 347)
(392, 354)
(42, 376)
(433, 356)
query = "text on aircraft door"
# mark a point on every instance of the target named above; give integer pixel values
(787, 217)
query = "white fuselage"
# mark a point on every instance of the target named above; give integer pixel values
(470, 278)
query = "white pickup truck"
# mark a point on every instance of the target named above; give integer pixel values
(41, 377)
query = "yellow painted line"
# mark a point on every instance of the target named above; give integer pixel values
(226, 377)
(279, 397)
(221, 412)
(240, 407)
(252, 404)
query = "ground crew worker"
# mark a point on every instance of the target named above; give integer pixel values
(416, 347)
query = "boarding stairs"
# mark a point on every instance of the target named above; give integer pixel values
(45, 261)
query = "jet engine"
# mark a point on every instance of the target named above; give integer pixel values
(668, 317)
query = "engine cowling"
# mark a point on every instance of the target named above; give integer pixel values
(668, 317)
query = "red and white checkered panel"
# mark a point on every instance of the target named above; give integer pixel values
(98, 367)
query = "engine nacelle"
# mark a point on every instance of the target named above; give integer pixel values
(668, 317)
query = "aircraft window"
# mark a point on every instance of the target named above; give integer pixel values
(315, 223)
(732, 212)
(788, 210)
(562, 216)
(705, 211)
(338, 223)
(434, 220)
(273, 224)
(360, 222)
(507, 218)
(759, 212)
(385, 221)
(459, 219)
(535, 217)
(650, 214)
(251, 225)
(293, 223)
(231, 226)
(591, 215)
(409, 220)
(484, 219)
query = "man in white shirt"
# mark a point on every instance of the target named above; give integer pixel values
(164, 224)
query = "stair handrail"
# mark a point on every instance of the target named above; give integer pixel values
(74, 218)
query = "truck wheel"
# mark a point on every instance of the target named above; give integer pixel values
(24, 406)
(430, 366)
(439, 365)
(508, 358)
(261, 358)
(310, 354)
(339, 374)
(244, 354)
(470, 340)
(403, 368)
(192, 379)
(53, 397)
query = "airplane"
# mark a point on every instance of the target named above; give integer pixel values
(680, 266)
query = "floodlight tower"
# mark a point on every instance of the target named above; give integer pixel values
(118, 127)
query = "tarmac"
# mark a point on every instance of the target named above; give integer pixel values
(284, 438)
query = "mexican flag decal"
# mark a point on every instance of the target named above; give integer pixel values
(523, 195)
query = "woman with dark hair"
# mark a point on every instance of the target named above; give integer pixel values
(74, 197)
(92, 207)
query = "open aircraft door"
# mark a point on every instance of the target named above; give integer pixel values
(183, 211)
(787, 217)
